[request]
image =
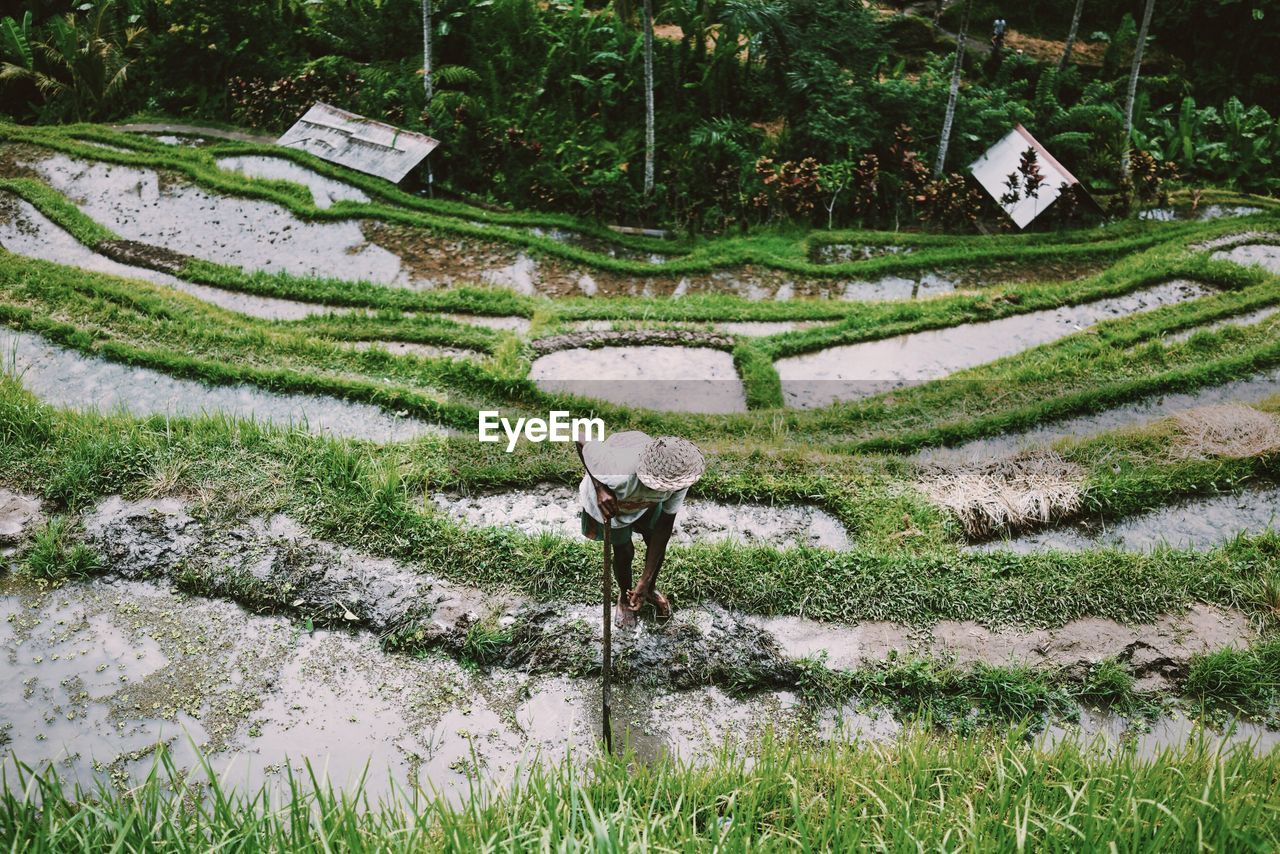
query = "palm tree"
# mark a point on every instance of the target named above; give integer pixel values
(943, 144)
(1071, 36)
(426, 49)
(84, 63)
(649, 136)
(1133, 87)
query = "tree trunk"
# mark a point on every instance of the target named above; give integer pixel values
(649, 143)
(1071, 37)
(945, 142)
(1133, 87)
(426, 50)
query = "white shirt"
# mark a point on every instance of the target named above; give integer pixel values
(634, 498)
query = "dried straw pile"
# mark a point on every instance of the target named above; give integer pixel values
(1233, 431)
(1006, 495)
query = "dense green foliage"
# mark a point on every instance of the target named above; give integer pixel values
(767, 110)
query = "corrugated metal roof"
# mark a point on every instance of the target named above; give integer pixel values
(358, 142)
(992, 169)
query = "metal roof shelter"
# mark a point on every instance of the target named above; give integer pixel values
(992, 169)
(358, 142)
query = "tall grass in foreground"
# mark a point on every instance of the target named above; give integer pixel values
(923, 793)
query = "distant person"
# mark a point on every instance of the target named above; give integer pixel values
(636, 484)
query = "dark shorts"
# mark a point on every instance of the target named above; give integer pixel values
(591, 529)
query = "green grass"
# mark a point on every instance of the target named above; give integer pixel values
(923, 793)
(54, 554)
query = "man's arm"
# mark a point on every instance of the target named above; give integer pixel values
(605, 499)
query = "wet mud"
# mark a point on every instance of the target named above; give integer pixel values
(658, 377)
(844, 253)
(588, 340)
(854, 371)
(324, 191)
(553, 509)
(1196, 524)
(68, 379)
(1253, 255)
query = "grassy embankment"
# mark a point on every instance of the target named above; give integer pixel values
(923, 793)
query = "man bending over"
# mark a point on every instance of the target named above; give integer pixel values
(636, 485)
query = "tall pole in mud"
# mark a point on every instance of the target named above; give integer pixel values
(606, 660)
(606, 656)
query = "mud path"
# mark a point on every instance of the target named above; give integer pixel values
(553, 509)
(68, 379)
(858, 370)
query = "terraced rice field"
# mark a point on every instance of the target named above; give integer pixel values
(952, 478)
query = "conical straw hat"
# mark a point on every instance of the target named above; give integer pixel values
(670, 463)
(665, 464)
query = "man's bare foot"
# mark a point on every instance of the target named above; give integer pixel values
(624, 616)
(661, 607)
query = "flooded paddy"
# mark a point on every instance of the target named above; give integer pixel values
(1254, 254)
(553, 509)
(25, 231)
(668, 379)
(1247, 319)
(1247, 390)
(107, 670)
(111, 669)
(65, 378)
(1203, 213)
(1200, 523)
(853, 371)
(167, 211)
(324, 191)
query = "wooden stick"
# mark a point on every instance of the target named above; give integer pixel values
(607, 660)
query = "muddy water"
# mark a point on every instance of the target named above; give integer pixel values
(844, 253)
(554, 509)
(858, 370)
(110, 669)
(1254, 254)
(1110, 732)
(1197, 524)
(1201, 214)
(324, 191)
(670, 379)
(65, 378)
(1248, 390)
(1238, 320)
(595, 244)
(26, 231)
(163, 210)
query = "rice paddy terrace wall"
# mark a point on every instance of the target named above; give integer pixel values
(932, 445)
